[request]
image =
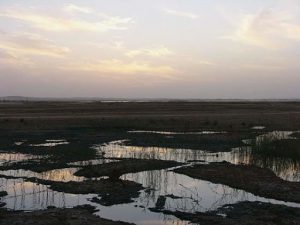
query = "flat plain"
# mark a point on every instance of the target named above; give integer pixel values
(161, 162)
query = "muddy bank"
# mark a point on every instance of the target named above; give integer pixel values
(39, 167)
(116, 169)
(111, 192)
(2, 194)
(296, 135)
(80, 215)
(259, 181)
(243, 213)
(77, 147)
(210, 142)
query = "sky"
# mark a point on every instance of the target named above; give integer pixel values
(150, 49)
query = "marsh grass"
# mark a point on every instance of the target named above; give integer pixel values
(277, 147)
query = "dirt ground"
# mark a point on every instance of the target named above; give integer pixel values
(116, 169)
(243, 213)
(182, 116)
(76, 216)
(259, 181)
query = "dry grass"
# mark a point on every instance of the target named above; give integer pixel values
(183, 116)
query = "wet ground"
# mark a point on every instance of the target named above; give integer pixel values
(129, 178)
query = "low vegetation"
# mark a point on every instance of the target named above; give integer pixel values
(286, 148)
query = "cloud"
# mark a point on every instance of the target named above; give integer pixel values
(7, 59)
(119, 67)
(75, 8)
(207, 63)
(54, 23)
(30, 44)
(293, 31)
(108, 46)
(154, 52)
(181, 14)
(268, 29)
(263, 67)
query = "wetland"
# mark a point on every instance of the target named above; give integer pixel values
(150, 163)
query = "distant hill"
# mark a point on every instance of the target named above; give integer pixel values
(82, 99)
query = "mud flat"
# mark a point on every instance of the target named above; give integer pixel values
(296, 135)
(111, 191)
(116, 169)
(213, 142)
(76, 216)
(243, 213)
(259, 181)
(123, 155)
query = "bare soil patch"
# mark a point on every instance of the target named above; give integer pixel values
(116, 169)
(111, 191)
(259, 181)
(243, 213)
(81, 215)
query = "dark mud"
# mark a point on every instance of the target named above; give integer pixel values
(111, 192)
(39, 167)
(259, 181)
(117, 169)
(80, 215)
(210, 142)
(296, 135)
(53, 157)
(243, 213)
(2, 194)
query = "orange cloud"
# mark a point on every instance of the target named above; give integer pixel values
(30, 44)
(154, 52)
(54, 23)
(115, 66)
(267, 29)
(181, 13)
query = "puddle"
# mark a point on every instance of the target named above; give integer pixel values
(122, 151)
(195, 195)
(55, 140)
(8, 158)
(91, 162)
(173, 133)
(29, 196)
(140, 216)
(64, 175)
(287, 169)
(276, 135)
(51, 143)
(18, 143)
(258, 128)
(184, 193)
(271, 136)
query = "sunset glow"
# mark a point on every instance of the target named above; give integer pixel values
(150, 49)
